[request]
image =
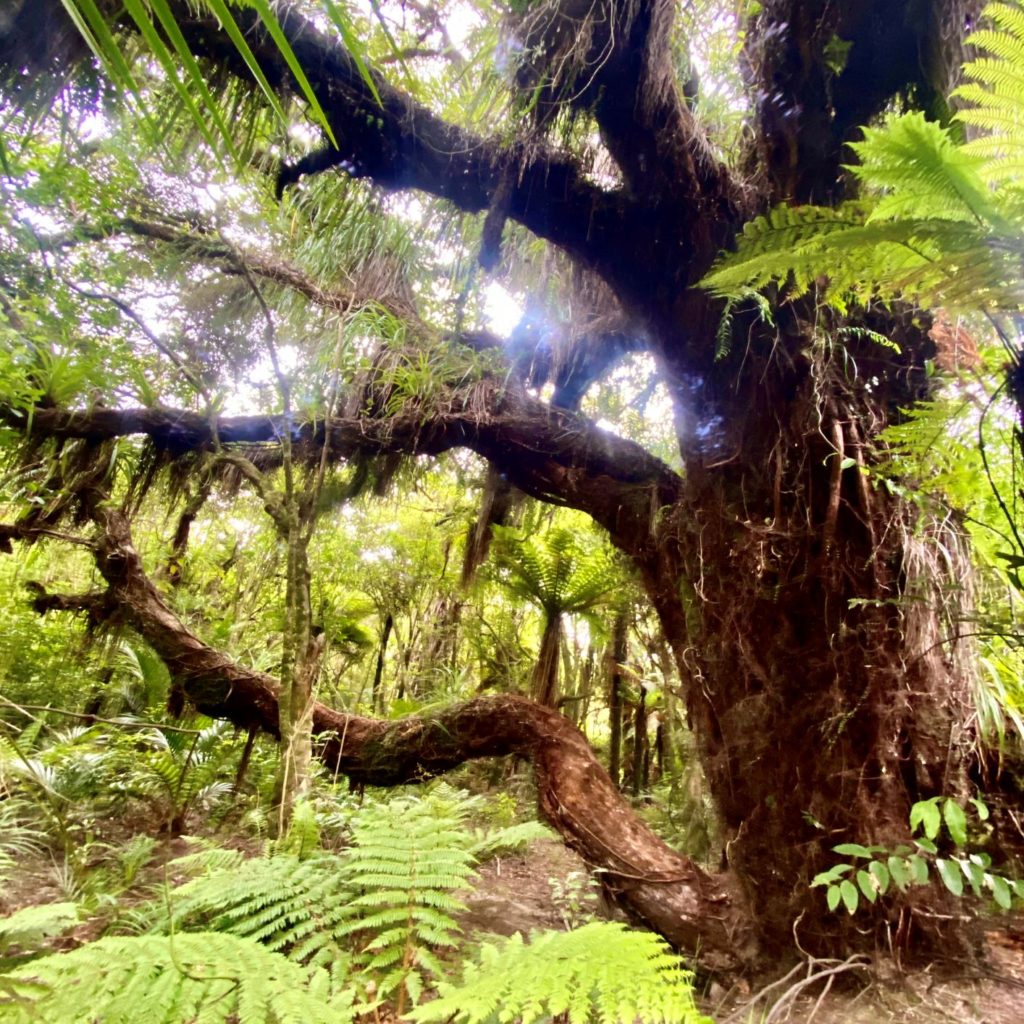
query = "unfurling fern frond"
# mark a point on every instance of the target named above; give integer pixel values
(600, 972)
(205, 977)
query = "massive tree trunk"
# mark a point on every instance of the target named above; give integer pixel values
(821, 696)
(796, 596)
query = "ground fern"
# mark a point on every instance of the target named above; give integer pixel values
(202, 977)
(408, 859)
(295, 907)
(600, 972)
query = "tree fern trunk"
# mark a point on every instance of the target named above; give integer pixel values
(545, 675)
(618, 658)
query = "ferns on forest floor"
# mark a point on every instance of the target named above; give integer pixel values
(201, 976)
(308, 935)
(601, 971)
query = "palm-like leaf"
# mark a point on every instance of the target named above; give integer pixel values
(556, 570)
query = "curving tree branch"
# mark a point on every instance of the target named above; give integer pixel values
(551, 454)
(653, 883)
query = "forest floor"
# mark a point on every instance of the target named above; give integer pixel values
(546, 886)
(521, 892)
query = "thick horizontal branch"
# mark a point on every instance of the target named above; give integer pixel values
(652, 882)
(399, 143)
(549, 453)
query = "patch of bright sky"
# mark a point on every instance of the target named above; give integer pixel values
(501, 309)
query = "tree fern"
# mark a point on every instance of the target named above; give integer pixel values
(201, 977)
(600, 972)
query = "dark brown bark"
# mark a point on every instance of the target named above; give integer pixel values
(641, 750)
(378, 672)
(544, 686)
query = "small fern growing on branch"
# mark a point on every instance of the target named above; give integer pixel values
(941, 223)
(600, 972)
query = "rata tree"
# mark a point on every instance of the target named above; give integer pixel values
(802, 604)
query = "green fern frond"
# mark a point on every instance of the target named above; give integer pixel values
(922, 173)
(29, 927)
(555, 569)
(290, 905)
(512, 837)
(599, 972)
(995, 92)
(203, 976)
(408, 858)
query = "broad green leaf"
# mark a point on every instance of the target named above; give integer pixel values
(975, 875)
(1000, 890)
(832, 897)
(900, 872)
(169, 63)
(951, 877)
(956, 821)
(881, 875)
(867, 886)
(833, 874)
(919, 867)
(854, 850)
(981, 807)
(848, 891)
(926, 814)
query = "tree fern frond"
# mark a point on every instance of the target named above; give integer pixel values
(600, 972)
(203, 976)
(922, 173)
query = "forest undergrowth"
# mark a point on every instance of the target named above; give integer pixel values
(138, 869)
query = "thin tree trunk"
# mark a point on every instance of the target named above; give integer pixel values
(619, 654)
(641, 753)
(378, 672)
(243, 761)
